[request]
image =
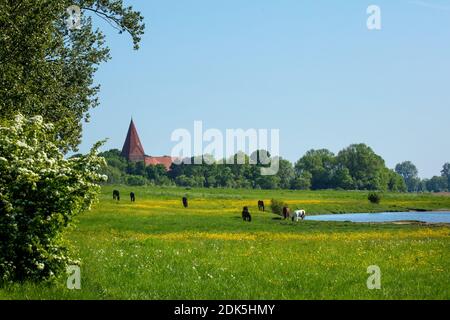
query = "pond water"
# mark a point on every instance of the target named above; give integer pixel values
(432, 217)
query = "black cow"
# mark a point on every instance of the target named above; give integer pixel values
(132, 197)
(185, 202)
(286, 212)
(246, 215)
(261, 205)
(116, 195)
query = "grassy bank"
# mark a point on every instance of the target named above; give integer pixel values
(155, 249)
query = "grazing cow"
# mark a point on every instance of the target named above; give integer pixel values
(116, 195)
(246, 215)
(261, 205)
(298, 214)
(286, 213)
(132, 197)
(185, 202)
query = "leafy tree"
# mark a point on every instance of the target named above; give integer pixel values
(40, 194)
(342, 178)
(320, 164)
(47, 69)
(226, 178)
(422, 187)
(366, 168)
(285, 173)
(156, 173)
(212, 176)
(131, 167)
(396, 182)
(183, 181)
(302, 182)
(268, 182)
(139, 168)
(409, 173)
(114, 159)
(135, 180)
(260, 157)
(446, 172)
(116, 168)
(437, 184)
(194, 181)
(115, 176)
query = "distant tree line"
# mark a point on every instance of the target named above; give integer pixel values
(356, 167)
(410, 173)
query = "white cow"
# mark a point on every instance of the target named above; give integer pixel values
(298, 214)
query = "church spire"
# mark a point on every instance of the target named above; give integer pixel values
(132, 148)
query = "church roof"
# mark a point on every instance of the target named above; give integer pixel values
(132, 148)
(166, 161)
(133, 151)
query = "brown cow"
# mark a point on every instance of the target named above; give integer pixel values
(261, 205)
(286, 213)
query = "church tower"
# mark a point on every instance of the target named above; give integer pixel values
(132, 148)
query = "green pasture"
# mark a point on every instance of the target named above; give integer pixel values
(156, 249)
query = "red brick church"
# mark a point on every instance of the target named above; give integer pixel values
(133, 151)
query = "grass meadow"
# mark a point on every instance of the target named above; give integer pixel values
(156, 249)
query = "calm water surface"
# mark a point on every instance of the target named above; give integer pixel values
(433, 217)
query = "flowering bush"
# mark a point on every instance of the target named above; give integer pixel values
(40, 193)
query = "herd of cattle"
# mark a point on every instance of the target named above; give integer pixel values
(246, 216)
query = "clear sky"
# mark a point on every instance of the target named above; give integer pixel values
(309, 68)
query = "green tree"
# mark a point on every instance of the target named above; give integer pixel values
(114, 159)
(446, 172)
(156, 173)
(320, 163)
(260, 157)
(409, 173)
(286, 173)
(423, 185)
(342, 178)
(302, 182)
(115, 175)
(135, 180)
(140, 168)
(366, 168)
(268, 182)
(47, 69)
(397, 183)
(437, 184)
(225, 178)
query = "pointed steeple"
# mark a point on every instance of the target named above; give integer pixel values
(132, 148)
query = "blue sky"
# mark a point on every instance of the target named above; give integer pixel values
(309, 68)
